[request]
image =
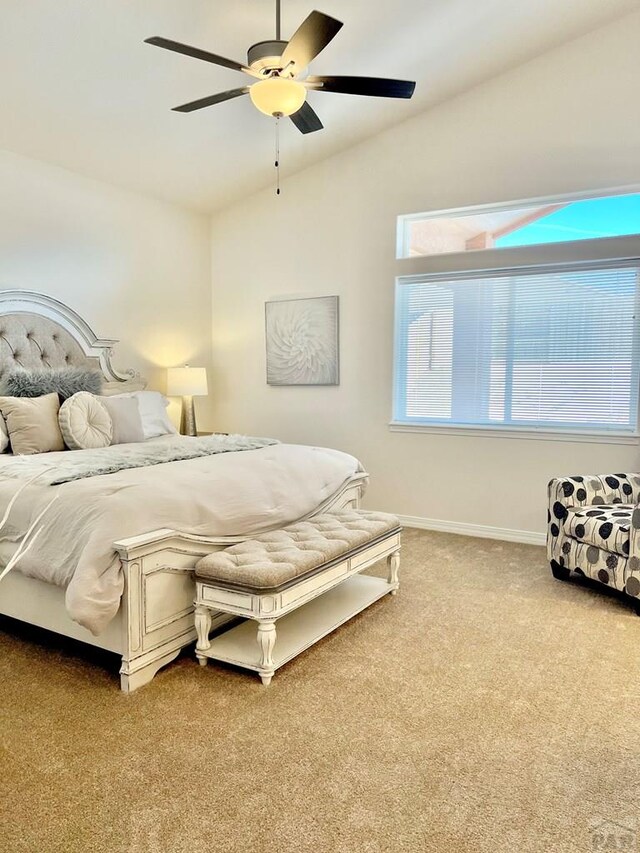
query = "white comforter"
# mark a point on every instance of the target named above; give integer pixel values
(239, 493)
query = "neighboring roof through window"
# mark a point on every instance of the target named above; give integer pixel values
(531, 224)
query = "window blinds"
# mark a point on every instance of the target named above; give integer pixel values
(549, 349)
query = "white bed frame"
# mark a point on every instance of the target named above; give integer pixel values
(155, 620)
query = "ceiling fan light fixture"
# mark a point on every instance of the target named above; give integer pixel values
(280, 66)
(278, 96)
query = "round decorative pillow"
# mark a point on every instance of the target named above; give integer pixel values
(85, 422)
(4, 435)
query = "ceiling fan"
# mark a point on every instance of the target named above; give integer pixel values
(281, 88)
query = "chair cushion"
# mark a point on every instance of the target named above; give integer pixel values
(275, 558)
(606, 526)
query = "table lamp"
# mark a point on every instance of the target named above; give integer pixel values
(187, 382)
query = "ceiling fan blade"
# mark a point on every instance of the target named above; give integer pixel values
(211, 100)
(196, 53)
(306, 119)
(311, 37)
(378, 87)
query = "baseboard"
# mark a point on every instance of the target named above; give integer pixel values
(506, 534)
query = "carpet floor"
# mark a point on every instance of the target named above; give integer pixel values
(487, 707)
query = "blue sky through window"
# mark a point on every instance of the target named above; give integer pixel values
(611, 216)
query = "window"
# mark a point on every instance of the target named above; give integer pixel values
(498, 227)
(553, 348)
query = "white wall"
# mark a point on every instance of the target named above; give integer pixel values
(565, 122)
(136, 269)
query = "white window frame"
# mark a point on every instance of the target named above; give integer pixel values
(402, 232)
(603, 250)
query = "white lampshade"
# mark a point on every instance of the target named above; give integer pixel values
(278, 96)
(187, 382)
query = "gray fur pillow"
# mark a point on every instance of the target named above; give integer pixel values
(64, 381)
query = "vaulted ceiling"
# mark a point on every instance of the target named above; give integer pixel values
(79, 89)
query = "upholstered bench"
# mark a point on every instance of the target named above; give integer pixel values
(306, 577)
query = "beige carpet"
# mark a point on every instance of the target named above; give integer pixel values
(487, 707)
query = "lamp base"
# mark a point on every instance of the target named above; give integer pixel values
(188, 417)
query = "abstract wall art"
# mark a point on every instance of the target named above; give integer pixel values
(302, 341)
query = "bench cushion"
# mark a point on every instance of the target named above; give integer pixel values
(278, 557)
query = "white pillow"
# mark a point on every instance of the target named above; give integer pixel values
(85, 422)
(126, 420)
(4, 435)
(153, 413)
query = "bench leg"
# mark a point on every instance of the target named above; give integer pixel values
(266, 641)
(203, 629)
(393, 563)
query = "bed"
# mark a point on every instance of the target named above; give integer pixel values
(153, 617)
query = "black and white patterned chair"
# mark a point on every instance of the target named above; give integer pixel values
(594, 530)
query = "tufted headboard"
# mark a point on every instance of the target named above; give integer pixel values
(39, 331)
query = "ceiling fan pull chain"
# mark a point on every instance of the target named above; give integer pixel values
(277, 163)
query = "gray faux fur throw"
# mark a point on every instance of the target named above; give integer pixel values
(78, 464)
(65, 381)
